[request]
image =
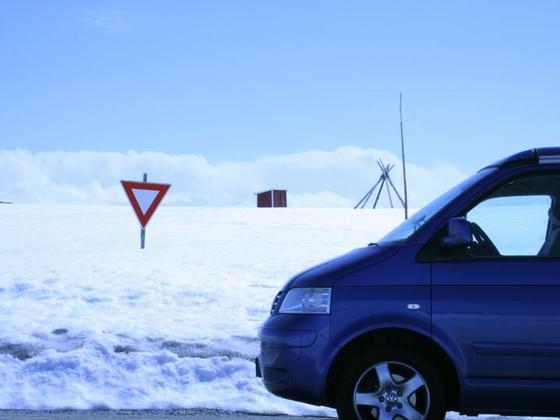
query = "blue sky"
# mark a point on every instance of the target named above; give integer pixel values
(239, 80)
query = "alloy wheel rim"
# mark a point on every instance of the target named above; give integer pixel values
(391, 391)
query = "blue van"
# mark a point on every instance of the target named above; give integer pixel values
(457, 309)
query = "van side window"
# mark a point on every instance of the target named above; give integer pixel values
(521, 218)
(516, 225)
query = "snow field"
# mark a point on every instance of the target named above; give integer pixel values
(173, 325)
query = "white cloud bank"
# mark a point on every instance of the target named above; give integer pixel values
(314, 178)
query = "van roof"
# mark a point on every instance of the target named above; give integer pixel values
(541, 155)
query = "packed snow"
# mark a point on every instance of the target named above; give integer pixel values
(88, 320)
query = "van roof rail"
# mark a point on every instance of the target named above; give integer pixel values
(541, 155)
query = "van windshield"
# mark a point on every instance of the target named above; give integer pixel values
(402, 232)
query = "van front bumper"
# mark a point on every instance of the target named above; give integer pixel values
(293, 360)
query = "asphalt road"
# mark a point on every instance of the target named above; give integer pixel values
(138, 415)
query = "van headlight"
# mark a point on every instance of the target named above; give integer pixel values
(308, 300)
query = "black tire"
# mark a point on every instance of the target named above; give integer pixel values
(406, 369)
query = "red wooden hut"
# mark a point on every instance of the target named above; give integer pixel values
(272, 198)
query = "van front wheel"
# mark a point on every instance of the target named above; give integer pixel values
(390, 383)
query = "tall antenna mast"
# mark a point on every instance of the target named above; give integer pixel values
(403, 162)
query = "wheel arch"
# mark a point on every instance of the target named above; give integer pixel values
(396, 336)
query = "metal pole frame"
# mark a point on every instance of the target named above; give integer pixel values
(403, 161)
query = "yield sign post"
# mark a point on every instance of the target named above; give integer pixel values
(145, 198)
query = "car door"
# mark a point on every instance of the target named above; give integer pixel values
(499, 302)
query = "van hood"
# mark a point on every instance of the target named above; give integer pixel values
(325, 274)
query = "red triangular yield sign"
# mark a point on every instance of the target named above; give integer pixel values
(144, 198)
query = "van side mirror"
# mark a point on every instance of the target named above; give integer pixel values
(459, 234)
